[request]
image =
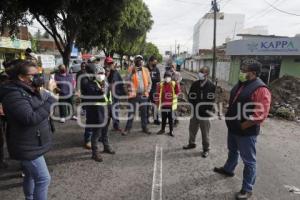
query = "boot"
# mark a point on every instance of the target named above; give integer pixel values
(97, 157)
(160, 132)
(109, 150)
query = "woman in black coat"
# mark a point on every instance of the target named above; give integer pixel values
(29, 134)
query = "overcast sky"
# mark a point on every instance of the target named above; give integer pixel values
(174, 19)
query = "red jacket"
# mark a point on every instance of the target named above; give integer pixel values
(167, 94)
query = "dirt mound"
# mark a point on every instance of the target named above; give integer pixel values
(286, 97)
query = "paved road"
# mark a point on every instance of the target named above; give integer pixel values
(185, 175)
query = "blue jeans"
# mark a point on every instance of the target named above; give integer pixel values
(87, 135)
(36, 180)
(245, 145)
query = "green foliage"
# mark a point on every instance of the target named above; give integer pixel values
(64, 20)
(151, 49)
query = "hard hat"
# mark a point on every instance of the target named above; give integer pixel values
(108, 60)
(138, 57)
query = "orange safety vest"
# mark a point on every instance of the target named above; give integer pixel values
(135, 82)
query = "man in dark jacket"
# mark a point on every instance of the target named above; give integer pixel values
(29, 134)
(249, 106)
(116, 87)
(3, 79)
(97, 111)
(201, 96)
(155, 77)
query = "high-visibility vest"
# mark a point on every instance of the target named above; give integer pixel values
(132, 90)
(107, 98)
(174, 96)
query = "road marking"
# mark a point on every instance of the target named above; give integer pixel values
(156, 193)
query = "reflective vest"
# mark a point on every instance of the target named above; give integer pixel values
(132, 90)
(174, 96)
(107, 97)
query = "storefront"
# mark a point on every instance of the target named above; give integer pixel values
(279, 56)
(11, 49)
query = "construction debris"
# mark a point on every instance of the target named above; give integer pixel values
(286, 97)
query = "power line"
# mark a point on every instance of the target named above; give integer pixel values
(262, 12)
(280, 10)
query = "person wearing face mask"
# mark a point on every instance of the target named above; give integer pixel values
(65, 85)
(116, 86)
(167, 101)
(138, 93)
(155, 78)
(4, 78)
(249, 106)
(201, 96)
(97, 112)
(29, 135)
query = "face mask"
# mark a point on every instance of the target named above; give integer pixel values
(62, 71)
(168, 79)
(201, 76)
(154, 65)
(243, 77)
(100, 77)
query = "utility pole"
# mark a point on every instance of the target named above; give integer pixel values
(178, 48)
(175, 47)
(215, 10)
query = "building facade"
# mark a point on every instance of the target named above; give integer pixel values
(228, 25)
(279, 56)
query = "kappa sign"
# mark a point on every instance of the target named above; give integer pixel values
(282, 45)
(274, 46)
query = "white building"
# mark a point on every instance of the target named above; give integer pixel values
(256, 30)
(228, 25)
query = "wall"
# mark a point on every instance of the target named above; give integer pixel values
(223, 68)
(290, 67)
(234, 70)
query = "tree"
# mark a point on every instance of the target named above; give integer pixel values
(136, 21)
(63, 20)
(151, 49)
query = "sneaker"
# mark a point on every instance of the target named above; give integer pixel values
(145, 130)
(109, 151)
(243, 195)
(74, 118)
(125, 132)
(221, 170)
(97, 157)
(205, 154)
(189, 146)
(117, 130)
(62, 120)
(171, 133)
(88, 145)
(160, 132)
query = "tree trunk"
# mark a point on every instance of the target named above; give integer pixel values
(67, 54)
(121, 61)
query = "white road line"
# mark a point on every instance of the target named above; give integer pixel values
(156, 193)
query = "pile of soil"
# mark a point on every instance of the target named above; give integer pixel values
(286, 97)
